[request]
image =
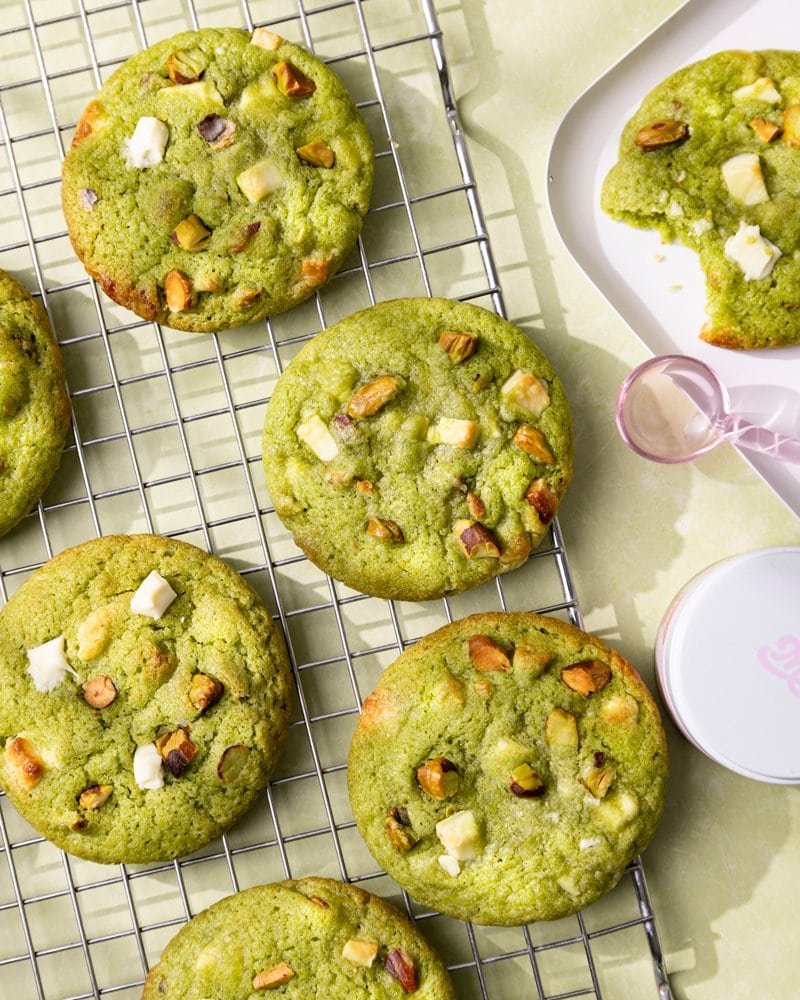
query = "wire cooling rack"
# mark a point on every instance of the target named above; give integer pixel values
(166, 438)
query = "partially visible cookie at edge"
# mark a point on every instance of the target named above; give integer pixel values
(507, 767)
(218, 177)
(34, 406)
(418, 448)
(146, 697)
(293, 937)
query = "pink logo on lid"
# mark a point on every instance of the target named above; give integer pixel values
(783, 660)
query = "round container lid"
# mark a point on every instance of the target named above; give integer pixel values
(728, 663)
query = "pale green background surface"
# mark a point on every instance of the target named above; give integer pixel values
(724, 867)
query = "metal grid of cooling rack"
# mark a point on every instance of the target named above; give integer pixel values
(166, 436)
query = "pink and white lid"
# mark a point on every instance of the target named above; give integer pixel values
(728, 663)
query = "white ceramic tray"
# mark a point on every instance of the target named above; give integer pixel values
(663, 301)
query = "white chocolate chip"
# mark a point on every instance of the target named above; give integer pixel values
(47, 664)
(762, 90)
(754, 254)
(147, 770)
(146, 146)
(153, 597)
(266, 39)
(589, 842)
(459, 835)
(450, 865)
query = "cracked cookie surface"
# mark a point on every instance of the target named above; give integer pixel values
(308, 937)
(214, 181)
(34, 406)
(201, 691)
(418, 448)
(507, 767)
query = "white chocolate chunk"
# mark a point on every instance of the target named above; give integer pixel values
(360, 952)
(147, 769)
(47, 664)
(701, 226)
(450, 865)
(146, 146)
(588, 843)
(260, 180)
(266, 39)
(744, 180)
(754, 254)
(675, 211)
(200, 92)
(153, 597)
(448, 430)
(762, 90)
(459, 835)
(567, 883)
(314, 433)
(525, 391)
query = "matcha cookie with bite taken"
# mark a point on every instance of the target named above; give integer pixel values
(418, 448)
(218, 177)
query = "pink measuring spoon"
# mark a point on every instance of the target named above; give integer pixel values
(674, 408)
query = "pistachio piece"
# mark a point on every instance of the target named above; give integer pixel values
(186, 66)
(99, 692)
(87, 198)
(338, 477)
(319, 901)
(661, 133)
(232, 762)
(459, 346)
(95, 796)
(476, 506)
(599, 779)
(315, 270)
(272, 978)
(439, 778)
(791, 125)
(27, 764)
(177, 751)
(385, 530)
(360, 952)
(291, 81)
(240, 238)
(317, 153)
(246, 295)
(544, 500)
(449, 430)
(765, 130)
(399, 830)
(218, 132)
(524, 391)
(533, 443)
(191, 234)
(480, 382)
(525, 783)
(483, 687)
(561, 728)
(259, 180)
(266, 39)
(373, 395)
(486, 654)
(476, 541)
(313, 432)
(400, 967)
(365, 488)
(586, 677)
(204, 691)
(178, 291)
(208, 282)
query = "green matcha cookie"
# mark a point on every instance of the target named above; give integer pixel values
(712, 158)
(507, 768)
(219, 176)
(418, 448)
(34, 406)
(145, 698)
(307, 938)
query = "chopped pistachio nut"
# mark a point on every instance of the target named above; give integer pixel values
(661, 133)
(204, 691)
(239, 240)
(319, 901)
(87, 198)
(266, 39)
(246, 295)
(400, 967)
(314, 433)
(232, 762)
(476, 541)
(178, 291)
(272, 978)
(533, 443)
(190, 234)
(532, 662)
(365, 487)
(95, 796)
(385, 530)
(99, 692)
(586, 678)
(259, 180)
(476, 506)
(791, 125)
(360, 952)
(344, 429)
(486, 654)
(177, 751)
(459, 835)
(291, 81)
(186, 66)
(765, 130)
(543, 499)
(373, 396)
(526, 392)
(459, 346)
(479, 383)
(27, 764)
(483, 687)
(561, 728)
(337, 476)
(439, 778)
(525, 783)
(459, 433)
(599, 779)
(317, 153)
(399, 830)
(218, 132)
(450, 865)
(315, 270)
